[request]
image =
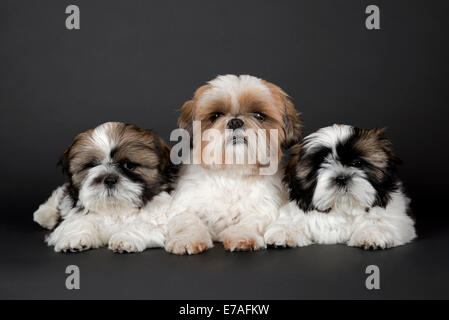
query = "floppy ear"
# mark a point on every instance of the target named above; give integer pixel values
(185, 120)
(300, 178)
(164, 154)
(64, 161)
(167, 168)
(292, 123)
(387, 146)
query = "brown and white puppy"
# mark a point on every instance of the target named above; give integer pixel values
(240, 126)
(118, 179)
(344, 188)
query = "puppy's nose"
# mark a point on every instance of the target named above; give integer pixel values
(342, 180)
(235, 123)
(110, 181)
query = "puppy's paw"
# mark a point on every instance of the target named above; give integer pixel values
(75, 243)
(284, 236)
(126, 243)
(240, 239)
(46, 216)
(189, 243)
(372, 239)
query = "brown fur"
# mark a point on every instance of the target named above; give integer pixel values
(279, 110)
(141, 147)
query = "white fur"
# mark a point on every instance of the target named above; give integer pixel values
(232, 86)
(222, 205)
(104, 217)
(328, 137)
(378, 228)
(123, 230)
(347, 219)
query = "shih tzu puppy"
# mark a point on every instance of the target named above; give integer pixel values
(344, 188)
(119, 177)
(231, 201)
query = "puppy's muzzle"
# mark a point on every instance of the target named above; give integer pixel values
(110, 181)
(235, 124)
(342, 181)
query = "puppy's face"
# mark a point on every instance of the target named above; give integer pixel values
(342, 167)
(116, 165)
(237, 108)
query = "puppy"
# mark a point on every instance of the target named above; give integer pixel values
(231, 201)
(344, 188)
(119, 177)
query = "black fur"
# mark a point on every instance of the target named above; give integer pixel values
(302, 186)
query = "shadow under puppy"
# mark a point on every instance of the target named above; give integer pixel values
(344, 188)
(231, 202)
(119, 177)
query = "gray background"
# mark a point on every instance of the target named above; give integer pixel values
(138, 61)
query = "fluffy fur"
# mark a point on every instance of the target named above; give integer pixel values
(119, 177)
(230, 203)
(344, 188)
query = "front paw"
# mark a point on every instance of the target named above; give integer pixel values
(372, 239)
(76, 243)
(239, 239)
(188, 243)
(46, 216)
(284, 236)
(126, 243)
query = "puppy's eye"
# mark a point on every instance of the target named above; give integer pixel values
(260, 116)
(356, 163)
(129, 166)
(215, 116)
(91, 165)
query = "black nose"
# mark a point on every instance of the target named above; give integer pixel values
(235, 124)
(341, 180)
(110, 181)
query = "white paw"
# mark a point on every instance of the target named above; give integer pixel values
(373, 238)
(189, 243)
(240, 239)
(76, 243)
(284, 236)
(126, 243)
(46, 216)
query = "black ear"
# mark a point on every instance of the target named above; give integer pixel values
(300, 178)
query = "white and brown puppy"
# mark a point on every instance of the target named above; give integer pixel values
(231, 202)
(116, 195)
(344, 188)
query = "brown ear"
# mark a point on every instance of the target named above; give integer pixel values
(387, 145)
(164, 150)
(292, 122)
(64, 161)
(185, 120)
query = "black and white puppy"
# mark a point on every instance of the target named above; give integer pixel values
(344, 188)
(119, 177)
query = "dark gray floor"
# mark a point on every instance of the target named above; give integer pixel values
(28, 269)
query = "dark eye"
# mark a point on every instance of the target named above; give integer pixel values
(130, 166)
(91, 165)
(215, 116)
(260, 116)
(356, 163)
